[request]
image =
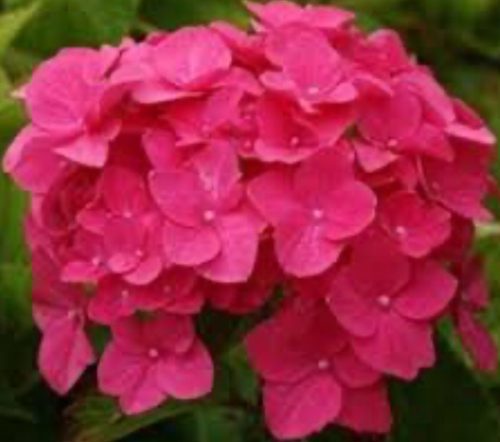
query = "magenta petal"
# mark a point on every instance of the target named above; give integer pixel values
(400, 347)
(119, 370)
(428, 293)
(293, 411)
(85, 149)
(477, 341)
(352, 372)
(272, 195)
(236, 259)
(418, 227)
(288, 364)
(190, 246)
(179, 195)
(192, 56)
(144, 395)
(366, 410)
(189, 375)
(303, 249)
(64, 354)
(357, 313)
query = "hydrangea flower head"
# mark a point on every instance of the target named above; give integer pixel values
(302, 174)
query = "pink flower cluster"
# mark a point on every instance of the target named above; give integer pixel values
(208, 167)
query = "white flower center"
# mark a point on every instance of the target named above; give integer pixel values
(318, 214)
(384, 301)
(401, 231)
(208, 215)
(153, 353)
(323, 364)
(392, 142)
(313, 90)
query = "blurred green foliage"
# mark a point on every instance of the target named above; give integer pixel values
(459, 39)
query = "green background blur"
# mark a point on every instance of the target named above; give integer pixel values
(460, 39)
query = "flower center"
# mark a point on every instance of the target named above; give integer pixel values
(323, 364)
(208, 215)
(125, 294)
(313, 90)
(401, 231)
(318, 214)
(294, 141)
(153, 353)
(392, 142)
(139, 253)
(384, 301)
(96, 261)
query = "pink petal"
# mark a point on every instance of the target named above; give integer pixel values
(65, 353)
(303, 249)
(192, 57)
(293, 411)
(400, 347)
(428, 293)
(352, 372)
(179, 196)
(123, 191)
(118, 370)
(393, 118)
(478, 342)
(187, 376)
(144, 395)
(366, 410)
(190, 246)
(236, 258)
(418, 227)
(85, 149)
(357, 313)
(289, 364)
(272, 194)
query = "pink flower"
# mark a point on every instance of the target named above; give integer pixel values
(313, 216)
(473, 298)
(302, 354)
(69, 100)
(30, 161)
(417, 226)
(398, 123)
(318, 79)
(247, 297)
(289, 137)
(174, 291)
(149, 361)
(185, 63)
(469, 126)
(387, 303)
(461, 185)
(126, 218)
(279, 13)
(208, 222)
(59, 311)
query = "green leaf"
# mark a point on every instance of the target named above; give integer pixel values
(210, 424)
(63, 23)
(447, 403)
(15, 285)
(97, 418)
(10, 406)
(11, 23)
(174, 13)
(12, 208)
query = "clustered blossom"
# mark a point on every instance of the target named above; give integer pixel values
(208, 167)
